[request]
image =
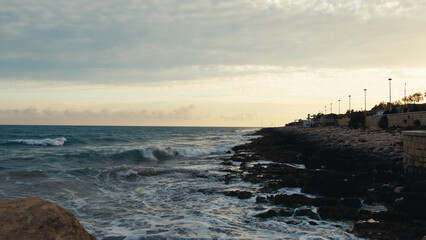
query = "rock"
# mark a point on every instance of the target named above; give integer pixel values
(244, 195)
(338, 212)
(268, 214)
(293, 200)
(285, 213)
(306, 212)
(239, 194)
(351, 203)
(261, 200)
(35, 218)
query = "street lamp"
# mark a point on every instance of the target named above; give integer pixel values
(390, 91)
(339, 106)
(365, 102)
(405, 93)
(349, 104)
(325, 110)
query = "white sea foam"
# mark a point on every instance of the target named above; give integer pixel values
(42, 142)
(157, 153)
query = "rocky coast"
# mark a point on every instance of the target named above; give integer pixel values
(351, 172)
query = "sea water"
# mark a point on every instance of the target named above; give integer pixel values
(144, 182)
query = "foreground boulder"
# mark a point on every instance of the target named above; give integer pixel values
(35, 218)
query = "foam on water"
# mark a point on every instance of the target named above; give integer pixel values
(42, 142)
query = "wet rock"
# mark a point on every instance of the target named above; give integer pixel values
(306, 212)
(338, 212)
(244, 195)
(342, 165)
(227, 163)
(261, 200)
(239, 194)
(326, 201)
(285, 212)
(293, 200)
(388, 230)
(351, 203)
(35, 218)
(268, 214)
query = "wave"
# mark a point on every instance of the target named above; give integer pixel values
(247, 131)
(41, 142)
(148, 154)
(163, 154)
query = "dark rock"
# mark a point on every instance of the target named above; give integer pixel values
(351, 203)
(336, 170)
(261, 200)
(338, 212)
(388, 230)
(244, 195)
(268, 214)
(326, 201)
(306, 212)
(239, 194)
(313, 162)
(285, 213)
(290, 200)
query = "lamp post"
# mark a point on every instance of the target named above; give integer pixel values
(405, 93)
(365, 102)
(331, 108)
(339, 106)
(349, 104)
(390, 91)
(325, 110)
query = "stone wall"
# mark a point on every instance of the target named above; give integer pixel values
(394, 120)
(415, 152)
(398, 120)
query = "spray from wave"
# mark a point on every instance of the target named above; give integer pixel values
(41, 142)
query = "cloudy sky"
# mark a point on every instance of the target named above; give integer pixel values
(204, 62)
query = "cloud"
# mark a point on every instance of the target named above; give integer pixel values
(74, 40)
(33, 115)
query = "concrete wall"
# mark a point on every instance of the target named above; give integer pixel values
(397, 120)
(415, 152)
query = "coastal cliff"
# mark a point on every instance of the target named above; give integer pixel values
(35, 218)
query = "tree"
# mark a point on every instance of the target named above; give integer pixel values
(414, 98)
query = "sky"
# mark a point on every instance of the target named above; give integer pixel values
(204, 62)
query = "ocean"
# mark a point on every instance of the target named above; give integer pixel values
(145, 182)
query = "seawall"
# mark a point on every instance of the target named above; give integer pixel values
(415, 152)
(394, 120)
(398, 120)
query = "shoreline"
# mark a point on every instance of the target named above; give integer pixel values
(347, 169)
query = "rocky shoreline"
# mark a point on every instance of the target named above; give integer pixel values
(348, 169)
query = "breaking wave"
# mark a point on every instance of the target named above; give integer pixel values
(41, 142)
(163, 154)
